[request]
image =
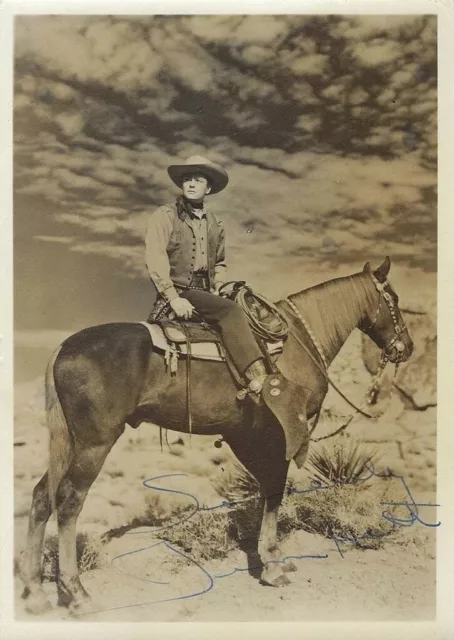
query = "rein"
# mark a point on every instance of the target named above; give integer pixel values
(322, 357)
(281, 331)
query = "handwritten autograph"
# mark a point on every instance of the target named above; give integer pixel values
(412, 517)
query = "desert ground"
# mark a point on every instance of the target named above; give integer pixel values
(137, 569)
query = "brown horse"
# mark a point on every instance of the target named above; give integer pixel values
(105, 377)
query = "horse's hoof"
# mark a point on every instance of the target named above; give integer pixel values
(81, 607)
(72, 597)
(37, 602)
(25, 593)
(278, 580)
(289, 567)
(281, 581)
(64, 599)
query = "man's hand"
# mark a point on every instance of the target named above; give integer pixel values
(182, 307)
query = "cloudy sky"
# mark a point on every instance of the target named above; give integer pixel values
(325, 124)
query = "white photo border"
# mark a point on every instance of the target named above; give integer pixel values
(443, 627)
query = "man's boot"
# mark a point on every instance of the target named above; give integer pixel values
(256, 375)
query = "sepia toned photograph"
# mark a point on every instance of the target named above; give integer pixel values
(225, 318)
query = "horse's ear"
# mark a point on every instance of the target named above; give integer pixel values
(366, 268)
(382, 272)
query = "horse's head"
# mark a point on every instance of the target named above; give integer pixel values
(383, 321)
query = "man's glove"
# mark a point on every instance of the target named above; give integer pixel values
(182, 307)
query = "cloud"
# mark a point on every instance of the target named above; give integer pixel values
(309, 65)
(131, 258)
(361, 28)
(263, 30)
(70, 123)
(254, 54)
(209, 28)
(377, 52)
(323, 123)
(58, 239)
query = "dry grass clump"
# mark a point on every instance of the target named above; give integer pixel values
(90, 554)
(345, 498)
(205, 536)
(342, 501)
(213, 532)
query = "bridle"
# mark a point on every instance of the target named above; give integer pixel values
(399, 327)
(395, 343)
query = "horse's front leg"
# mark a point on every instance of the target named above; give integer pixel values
(269, 551)
(262, 451)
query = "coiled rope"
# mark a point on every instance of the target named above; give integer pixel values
(265, 318)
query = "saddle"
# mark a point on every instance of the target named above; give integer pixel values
(194, 339)
(172, 337)
(177, 337)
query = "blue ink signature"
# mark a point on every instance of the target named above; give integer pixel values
(410, 504)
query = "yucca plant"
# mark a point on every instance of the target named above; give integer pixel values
(348, 505)
(341, 465)
(237, 484)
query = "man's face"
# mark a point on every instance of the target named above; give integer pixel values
(195, 187)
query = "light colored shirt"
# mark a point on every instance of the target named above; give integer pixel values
(173, 264)
(199, 225)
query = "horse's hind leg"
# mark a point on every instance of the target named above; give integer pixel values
(31, 569)
(70, 497)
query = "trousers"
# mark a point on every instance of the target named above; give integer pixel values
(230, 320)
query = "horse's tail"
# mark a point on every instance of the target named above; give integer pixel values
(60, 445)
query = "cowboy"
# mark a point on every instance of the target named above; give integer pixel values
(185, 257)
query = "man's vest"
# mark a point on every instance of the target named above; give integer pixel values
(181, 248)
(178, 252)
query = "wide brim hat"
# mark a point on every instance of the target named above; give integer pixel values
(216, 174)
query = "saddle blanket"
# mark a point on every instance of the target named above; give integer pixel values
(211, 349)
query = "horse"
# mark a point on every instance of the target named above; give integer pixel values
(105, 377)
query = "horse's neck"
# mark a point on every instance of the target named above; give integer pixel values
(332, 310)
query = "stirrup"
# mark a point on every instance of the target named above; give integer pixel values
(256, 384)
(254, 389)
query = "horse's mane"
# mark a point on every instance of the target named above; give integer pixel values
(335, 307)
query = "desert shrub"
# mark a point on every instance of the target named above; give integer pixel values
(336, 501)
(344, 500)
(205, 536)
(236, 484)
(212, 533)
(160, 509)
(89, 549)
(346, 513)
(340, 464)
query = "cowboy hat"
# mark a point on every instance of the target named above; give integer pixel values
(214, 172)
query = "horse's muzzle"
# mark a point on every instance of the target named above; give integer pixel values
(400, 350)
